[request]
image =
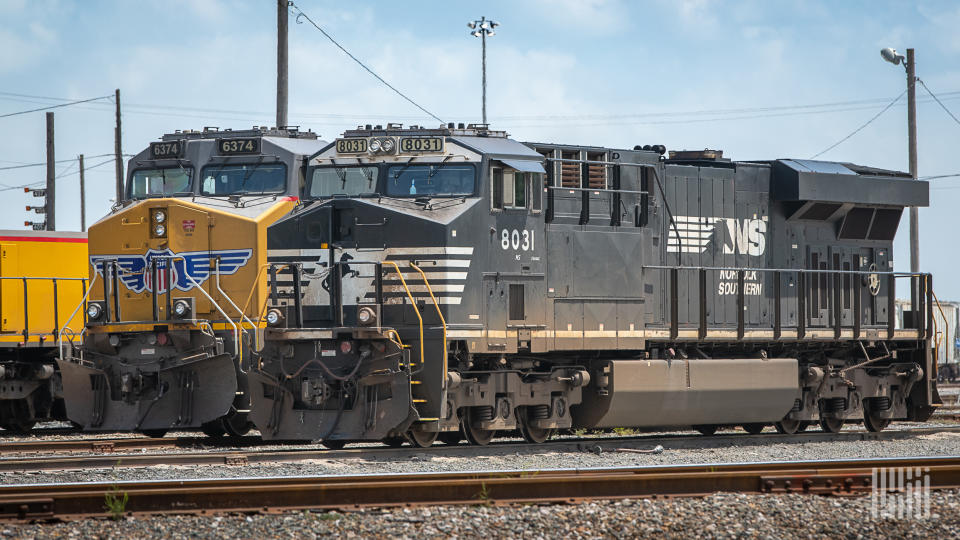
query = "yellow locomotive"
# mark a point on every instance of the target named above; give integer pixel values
(176, 278)
(43, 276)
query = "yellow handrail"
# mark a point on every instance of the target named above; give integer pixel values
(443, 379)
(412, 302)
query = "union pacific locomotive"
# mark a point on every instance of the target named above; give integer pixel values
(452, 282)
(175, 280)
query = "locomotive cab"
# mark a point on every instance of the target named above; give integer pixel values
(175, 272)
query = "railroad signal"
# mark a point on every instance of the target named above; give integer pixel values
(39, 209)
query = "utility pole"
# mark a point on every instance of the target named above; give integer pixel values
(912, 128)
(51, 178)
(282, 63)
(481, 29)
(117, 150)
(83, 198)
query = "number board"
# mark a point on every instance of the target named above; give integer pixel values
(421, 144)
(238, 146)
(166, 149)
(351, 146)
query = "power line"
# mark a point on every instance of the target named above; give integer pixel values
(870, 121)
(44, 163)
(937, 177)
(300, 13)
(938, 100)
(55, 106)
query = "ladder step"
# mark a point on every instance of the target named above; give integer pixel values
(419, 401)
(416, 382)
(428, 420)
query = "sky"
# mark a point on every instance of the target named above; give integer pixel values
(758, 79)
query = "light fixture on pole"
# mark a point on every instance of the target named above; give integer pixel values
(482, 28)
(890, 55)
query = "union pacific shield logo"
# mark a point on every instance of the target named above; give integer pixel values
(189, 269)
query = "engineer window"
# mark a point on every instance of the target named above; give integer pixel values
(496, 187)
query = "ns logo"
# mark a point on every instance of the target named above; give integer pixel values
(745, 236)
(694, 234)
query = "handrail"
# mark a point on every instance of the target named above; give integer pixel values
(832, 305)
(243, 316)
(442, 321)
(757, 269)
(253, 288)
(414, 304)
(74, 314)
(236, 332)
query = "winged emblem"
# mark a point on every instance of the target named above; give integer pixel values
(189, 269)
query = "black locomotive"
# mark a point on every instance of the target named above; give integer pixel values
(455, 283)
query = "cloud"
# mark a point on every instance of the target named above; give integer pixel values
(947, 20)
(591, 15)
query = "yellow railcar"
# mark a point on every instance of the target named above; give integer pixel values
(43, 277)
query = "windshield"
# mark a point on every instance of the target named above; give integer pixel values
(433, 179)
(167, 181)
(329, 181)
(244, 179)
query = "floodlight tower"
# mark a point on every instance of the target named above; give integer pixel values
(482, 28)
(890, 55)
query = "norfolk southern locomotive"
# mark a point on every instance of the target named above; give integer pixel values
(176, 273)
(455, 283)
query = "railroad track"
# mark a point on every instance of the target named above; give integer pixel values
(111, 457)
(77, 500)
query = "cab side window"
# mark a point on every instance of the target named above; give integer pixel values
(496, 187)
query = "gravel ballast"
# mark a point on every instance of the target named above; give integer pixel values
(492, 459)
(716, 516)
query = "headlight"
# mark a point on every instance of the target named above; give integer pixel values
(181, 308)
(274, 317)
(366, 316)
(374, 146)
(159, 216)
(94, 311)
(387, 145)
(159, 229)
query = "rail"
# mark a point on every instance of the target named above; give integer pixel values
(831, 284)
(30, 502)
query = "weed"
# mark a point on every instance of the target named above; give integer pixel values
(115, 502)
(483, 494)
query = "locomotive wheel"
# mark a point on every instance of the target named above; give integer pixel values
(706, 430)
(789, 427)
(333, 444)
(476, 435)
(213, 429)
(753, 429)
(394, 442)
(831, 425)
(874, 423)
(422, 439)
(155, 433)
(235, 424)
(18, 417)
(450, 437)
(530, 433)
